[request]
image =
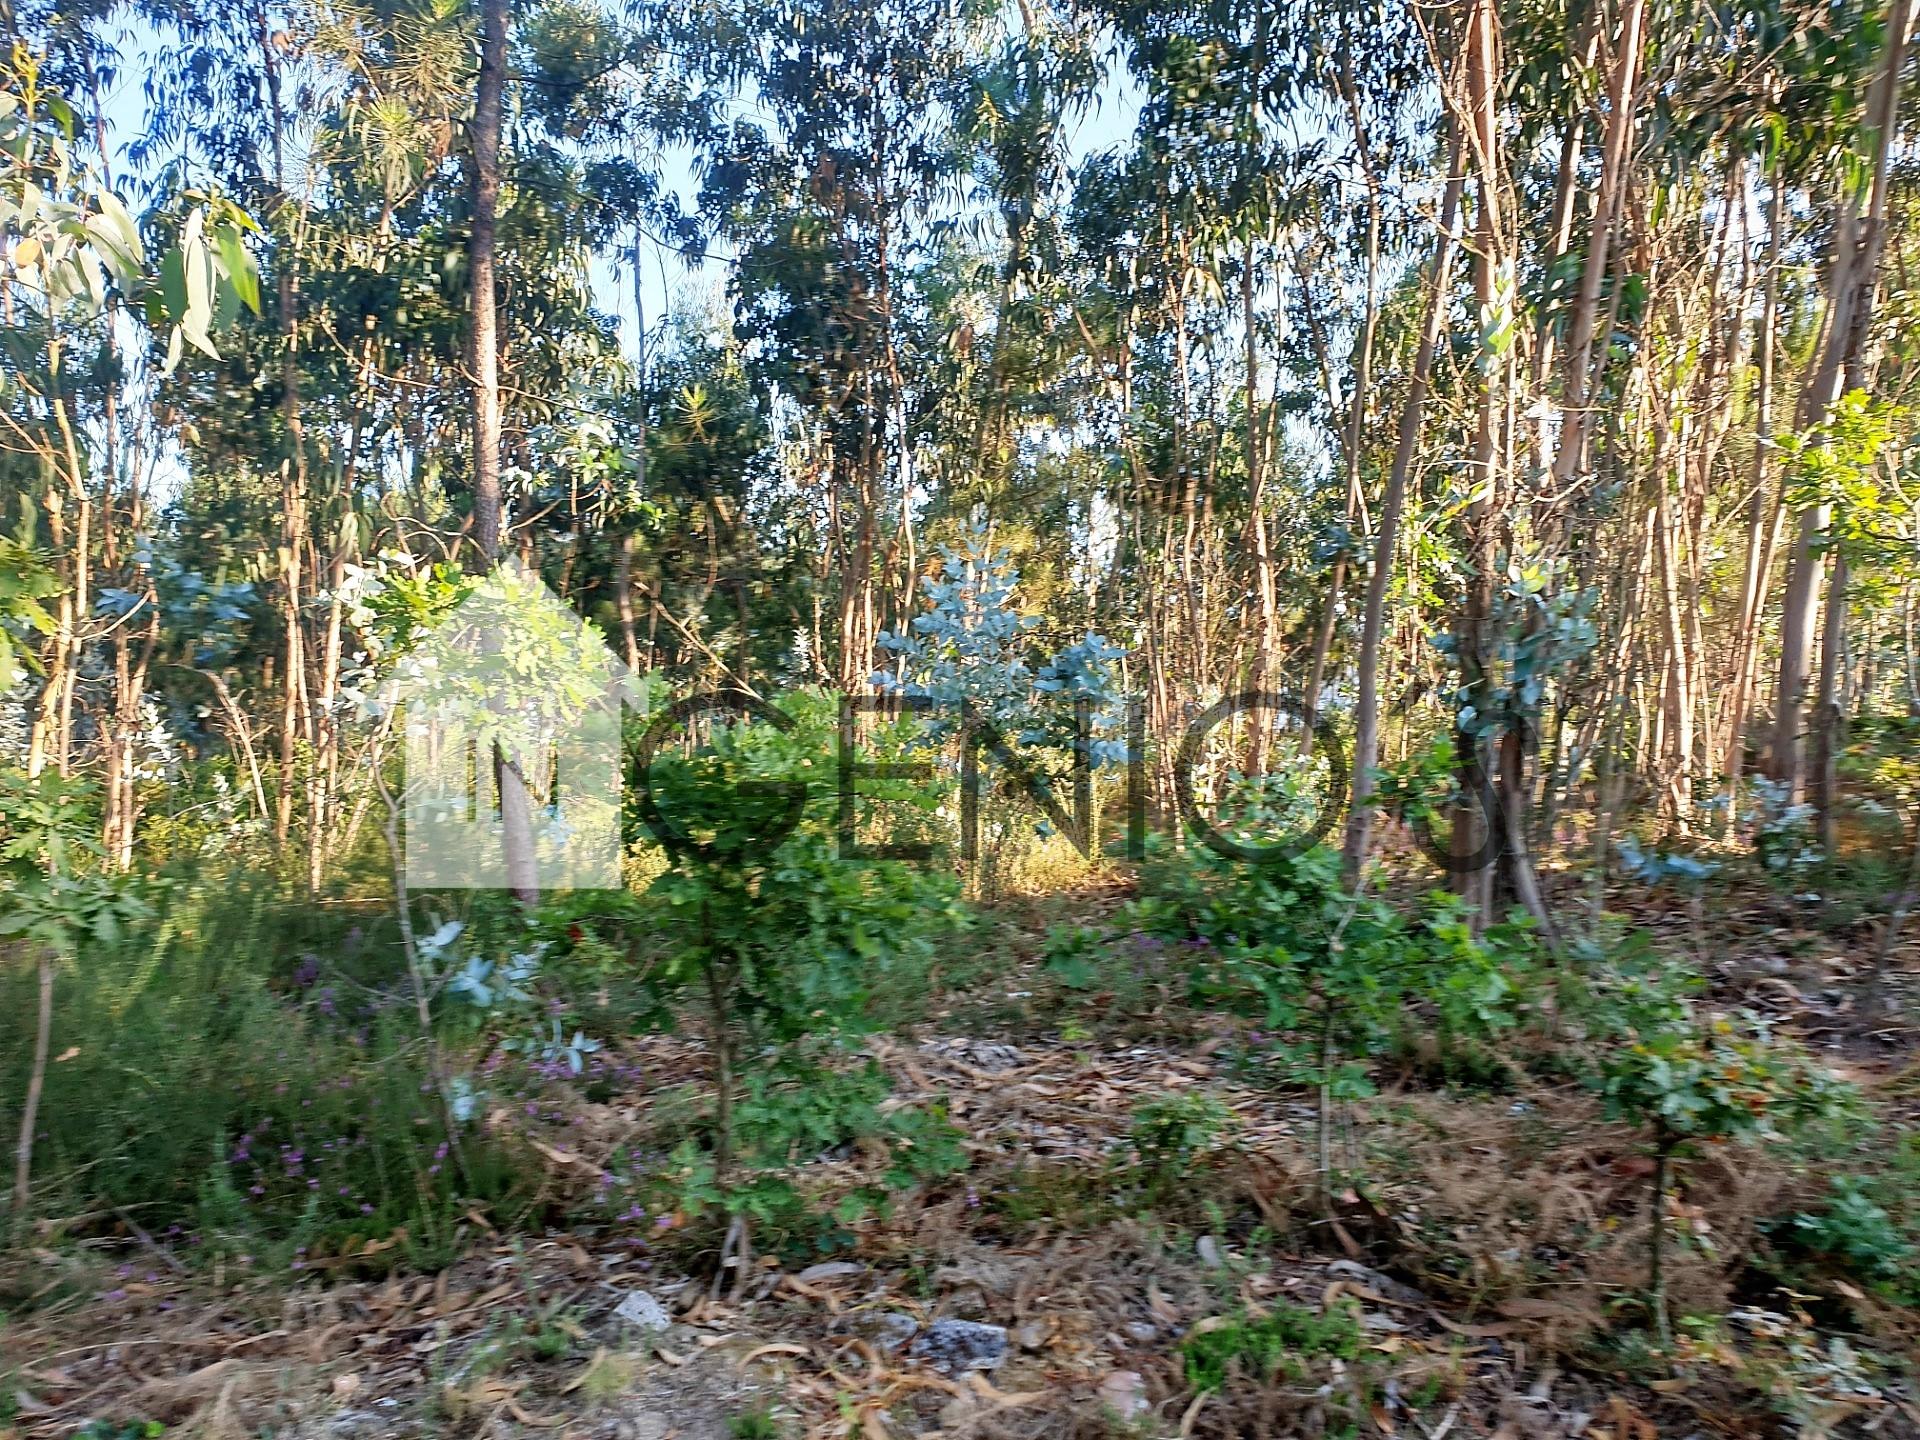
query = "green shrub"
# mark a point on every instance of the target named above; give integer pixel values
(1867, 1224)
(1170, 1132)
(1692, 1081)
(791, 952)
(754, 1425)
(207, 1048)
(1470, 992)
(789, 1112)
(1280, 941)
(1855, 1230)
(1283, 1342)
(1332, 979)
(1073, 955)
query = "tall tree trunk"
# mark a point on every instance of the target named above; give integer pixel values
(1842, 364)
(1353, 438)
(1826, 714)
(1366, 737)
(623, 558)
(1263, 579)
(1607, 208)
(1561, 229)
(36, 1083)
(1787, 755)
(1257, 539)
(483, 317)
(293, 468)
(1673, 609)
(1763, 510)
(516, 808)
(1473, 869)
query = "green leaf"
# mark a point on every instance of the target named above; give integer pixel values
(239, 267)
(173, 286)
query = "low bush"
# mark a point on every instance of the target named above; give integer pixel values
(298, 1113)
(1333, 981)
(1285, 1342)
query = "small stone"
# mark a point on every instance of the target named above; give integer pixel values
(957, 1346)
(1385, 1286)
(1124, 1392)
(887, 1330)
(1142, 1333)
(960, 1412)
(643, 1311)
(1033, 1335)
(829, 1270)
(1209, 1250)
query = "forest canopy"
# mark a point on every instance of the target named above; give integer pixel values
(1105, 635)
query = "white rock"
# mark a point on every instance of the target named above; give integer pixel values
(957, 1346)
(642, 1311)
(1124, 1392)
(829, 1270)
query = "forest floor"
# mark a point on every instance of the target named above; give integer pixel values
(1482, 1253)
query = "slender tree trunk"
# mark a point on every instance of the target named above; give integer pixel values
(293, 469)
(1607, 208)
(1263, 580)
(1354, 437)
(122, 790)
(623, 556)
(1366, 738)
(1855, 371)
(1564, 192)
(1842, 362)
(36, 1083)
(483, 319)
(1788, 754)
(1763, 511)
(1473, 870)
(76, 601)
(1261, 669)
(44, 740)
(1827, 716)
(1673, 766)
(326, 758)
(516, 807)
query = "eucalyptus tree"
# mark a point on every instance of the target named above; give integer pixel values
(1021, 96)
(821, 204)
(1672, 300)
(381, 241)
(1271, 187)
(1843, 371)
(225, 95)
(74, 56)
(72, 246)
(1187, 208)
